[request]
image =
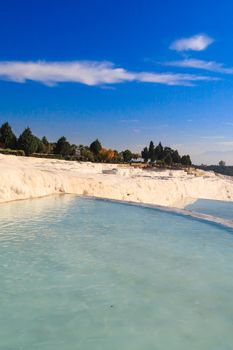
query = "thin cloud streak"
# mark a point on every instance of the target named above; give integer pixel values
(212, 137)
(195, 43)
(90, 73)
(226, 143)
(210, 66)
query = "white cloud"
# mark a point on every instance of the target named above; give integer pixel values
(50, 73)
(195, 43)
(212, 137)
(211, 66)
(136, 130)
(226, 143)
(88, 73)
(170, 78)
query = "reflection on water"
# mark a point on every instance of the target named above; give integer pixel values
(85, 274)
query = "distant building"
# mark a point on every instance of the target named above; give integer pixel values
(137, 160)
(78, 152)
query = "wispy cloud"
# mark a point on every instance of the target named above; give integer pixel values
(213, 137)
(211, 66)
(177, 145)
(226, 143)
(171, 78)
(51, 73)
(89, 73)
(195, 43)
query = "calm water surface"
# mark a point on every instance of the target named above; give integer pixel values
(220, 209)
(85, 274)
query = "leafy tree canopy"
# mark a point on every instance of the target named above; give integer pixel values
(127, 155)
(62, 147)
(164, 155)
(95, 147)
(86, 154)
(28, 142)
(185, 160)
(222, 163)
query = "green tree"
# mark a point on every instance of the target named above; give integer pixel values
(73, 149)
(145, 154)
(166, 151)
(168, 159)
(40, 146)
(95, 147)
(127, 155)
(86, 154)
(7, 137)
(175, 156)
(135, 155)
(152, 155)
(185, 160)
(159, 151)
(62, 147)
(46, 145)
(28, 142)
(222, 163)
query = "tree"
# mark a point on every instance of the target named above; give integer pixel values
(159, 151)
(136, 156)
(86, 154)
(40, 146)
(127, 155)
(175, 157)
(117, 157)
(62, 147)
(95, 147)
(107, 155)
(168, 159)
(185, 160)
(27, 142)
(7, 137)
(166, 151)
(152, 152)
(222, 163)
(145, 154)
(46, 145)
(73, 150)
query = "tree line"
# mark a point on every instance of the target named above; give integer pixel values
(164, 155)
(29, 144)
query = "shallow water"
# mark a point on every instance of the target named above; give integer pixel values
(221, 209)
(85, 274)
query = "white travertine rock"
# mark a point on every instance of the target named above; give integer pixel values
(25, 177)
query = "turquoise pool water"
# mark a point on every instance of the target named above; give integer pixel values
(219, 209)
(86, 274)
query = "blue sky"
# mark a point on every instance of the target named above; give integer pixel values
(123, 71)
